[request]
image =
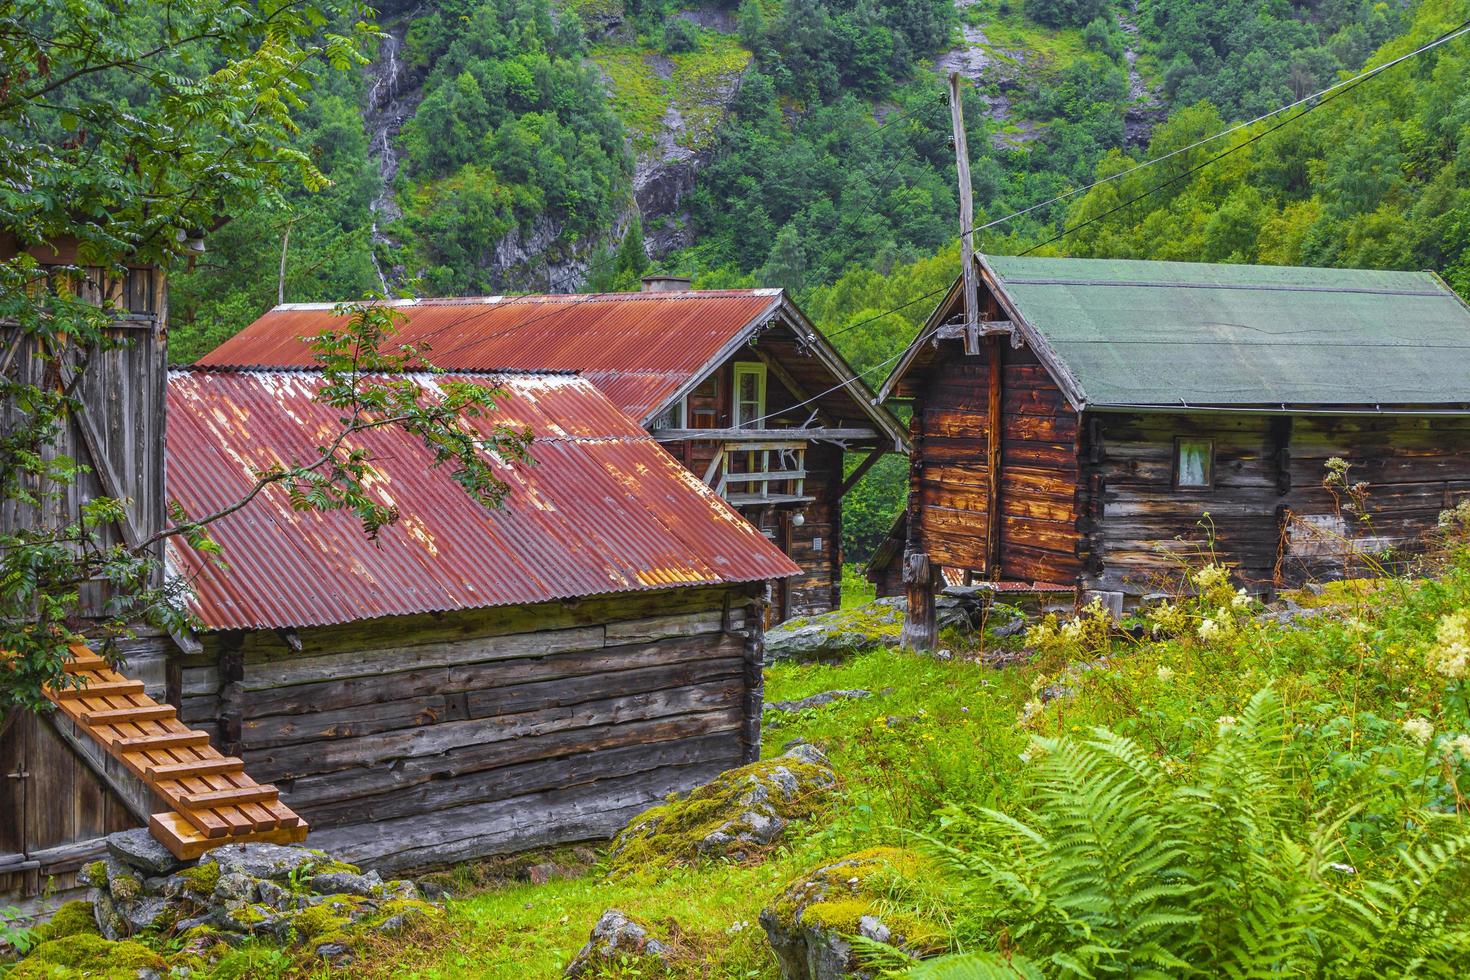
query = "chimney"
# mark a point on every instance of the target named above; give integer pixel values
(665, 284)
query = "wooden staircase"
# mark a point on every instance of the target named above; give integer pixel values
(213, 801)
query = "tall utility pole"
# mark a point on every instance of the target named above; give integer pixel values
(967, 217)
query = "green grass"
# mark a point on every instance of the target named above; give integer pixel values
(641, 98)
(936, 734)
(1011, 36)
(856, 590)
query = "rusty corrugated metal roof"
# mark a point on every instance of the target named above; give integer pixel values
(639, 348)
(602, 510)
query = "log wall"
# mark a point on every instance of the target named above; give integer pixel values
(1037, 497)
(1268, 510)
(428, 740)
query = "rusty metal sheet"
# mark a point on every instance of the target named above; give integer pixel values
(639, 348)
(603, 509)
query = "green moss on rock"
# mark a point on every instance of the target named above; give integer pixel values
(89, 955)
(94, 874)
(738, 814)
(72, 919)
(876, 893)
(201, 878)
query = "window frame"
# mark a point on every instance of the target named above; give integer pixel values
(758, 369)
(677, 416)
(1209, 483)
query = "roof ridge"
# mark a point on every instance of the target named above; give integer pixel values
(762, 292)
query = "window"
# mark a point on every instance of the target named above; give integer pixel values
(750, 395)
(672, 418)
(1194, 464)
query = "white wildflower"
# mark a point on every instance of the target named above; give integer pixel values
(1419, 729)
(1226, 723)
(1029, 711)
(1241, 600)
(1210, 576)
(1209, 629)
(1165, 674)
(1457, 749)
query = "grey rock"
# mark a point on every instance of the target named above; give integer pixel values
(335, 953)
(347, 883)
(873, 928)
(615, 937)
(1012, 627)
(142, 914)
(275, 896)
(397, 888)
(261, 860)
(836, 635)
(110, 922)
(234, 888)
(138, 848)
(817, 700)
(811, 950)
(251, 919)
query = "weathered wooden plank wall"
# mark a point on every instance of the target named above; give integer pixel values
(431, 727)
(1146, 531)
(1266, 467)
(1039, 474)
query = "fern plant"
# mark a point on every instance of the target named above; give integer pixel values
(1118, 869)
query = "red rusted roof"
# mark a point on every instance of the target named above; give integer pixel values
(639, 348)
(602, 510)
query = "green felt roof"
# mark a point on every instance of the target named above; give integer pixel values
(1132, 332)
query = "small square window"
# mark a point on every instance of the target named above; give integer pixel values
(1194, 464)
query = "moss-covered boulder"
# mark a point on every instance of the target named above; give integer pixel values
(86, 954)
(618, 940)
(810, 924)
(739, 814)
(72, 919)
(836, 635)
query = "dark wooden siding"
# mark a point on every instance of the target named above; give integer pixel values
(438, 739)
(1272, 518)
(1146, 530)
(1038, 453)
(1415, 467)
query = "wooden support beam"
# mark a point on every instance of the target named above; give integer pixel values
(851, 480)
(99, 690)
(163, 740)
(159, 772)
(844, 434)
(985, 328)
(967, 216)
(995, 421)
(232, 797)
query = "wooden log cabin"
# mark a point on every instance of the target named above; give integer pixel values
(473, 681)
(1106, 418)
(736, 384)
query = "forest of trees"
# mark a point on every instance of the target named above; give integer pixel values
(831, 174)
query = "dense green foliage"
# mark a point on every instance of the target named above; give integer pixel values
(324, 233)
(514, 132)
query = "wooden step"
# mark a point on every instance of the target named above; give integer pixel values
(99, 689)
(225, 766)
(232, 797)
(186, 843)
(81, 665)
(163, 740)
(112, 716)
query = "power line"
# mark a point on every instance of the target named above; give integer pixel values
(1340, 90)
(1346, 84)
